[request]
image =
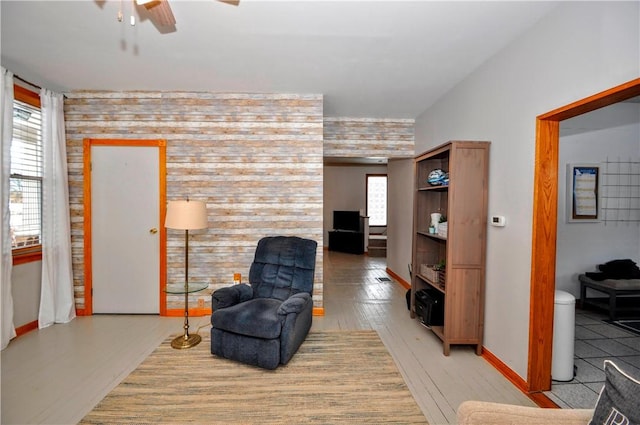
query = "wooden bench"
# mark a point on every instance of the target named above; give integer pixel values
(623, 294)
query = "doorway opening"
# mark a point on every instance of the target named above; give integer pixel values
(545, 207)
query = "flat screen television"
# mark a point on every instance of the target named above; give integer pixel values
(346, 220)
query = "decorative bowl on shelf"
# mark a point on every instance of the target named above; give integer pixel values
(436, 177)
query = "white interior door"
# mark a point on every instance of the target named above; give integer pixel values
(125, 233)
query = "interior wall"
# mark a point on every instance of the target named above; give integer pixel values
(25, 290)
(255, 159)
(346, 137)
(345, 188)
(578, 49)
(400, 220)
(608, 134)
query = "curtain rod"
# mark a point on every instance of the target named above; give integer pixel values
(17, 77)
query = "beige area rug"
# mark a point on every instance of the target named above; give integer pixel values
(335, 377)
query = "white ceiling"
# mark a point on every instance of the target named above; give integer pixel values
(381, 59)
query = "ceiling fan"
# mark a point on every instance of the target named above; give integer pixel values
(161, 13)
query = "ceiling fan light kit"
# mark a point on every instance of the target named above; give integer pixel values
(160, 11)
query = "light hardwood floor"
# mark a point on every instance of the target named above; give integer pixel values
(57, 375)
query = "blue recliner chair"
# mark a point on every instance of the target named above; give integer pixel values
(265, 323)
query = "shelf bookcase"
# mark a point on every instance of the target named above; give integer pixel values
(464, 202)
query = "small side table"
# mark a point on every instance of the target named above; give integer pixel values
(186, 340)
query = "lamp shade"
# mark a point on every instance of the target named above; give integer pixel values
(186, 215)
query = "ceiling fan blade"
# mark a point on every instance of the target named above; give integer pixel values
(231, 2)
(160, 12)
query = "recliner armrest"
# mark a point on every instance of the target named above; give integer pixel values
(294, 304)
(231, 295)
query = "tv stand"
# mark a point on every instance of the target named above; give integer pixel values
(348, 241)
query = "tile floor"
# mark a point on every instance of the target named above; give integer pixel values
(595, 341)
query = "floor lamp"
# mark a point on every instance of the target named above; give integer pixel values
(186, 215)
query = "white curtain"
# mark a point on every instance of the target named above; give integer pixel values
(6, 263)
(56, 295)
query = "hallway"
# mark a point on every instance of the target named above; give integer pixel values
(358, 296)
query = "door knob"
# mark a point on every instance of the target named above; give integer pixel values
(153, 231)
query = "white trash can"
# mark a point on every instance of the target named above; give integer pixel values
(564, 325)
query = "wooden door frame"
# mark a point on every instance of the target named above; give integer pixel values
(545, 214)
(162, 197)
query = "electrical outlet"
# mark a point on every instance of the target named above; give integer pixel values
(200, 303)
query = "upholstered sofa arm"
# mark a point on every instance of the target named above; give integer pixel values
(294, 304)
(482, 413)
(231, 295)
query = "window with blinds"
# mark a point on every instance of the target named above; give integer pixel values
(377, 199)
(25, 198)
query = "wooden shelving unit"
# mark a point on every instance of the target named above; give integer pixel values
(464, 202)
